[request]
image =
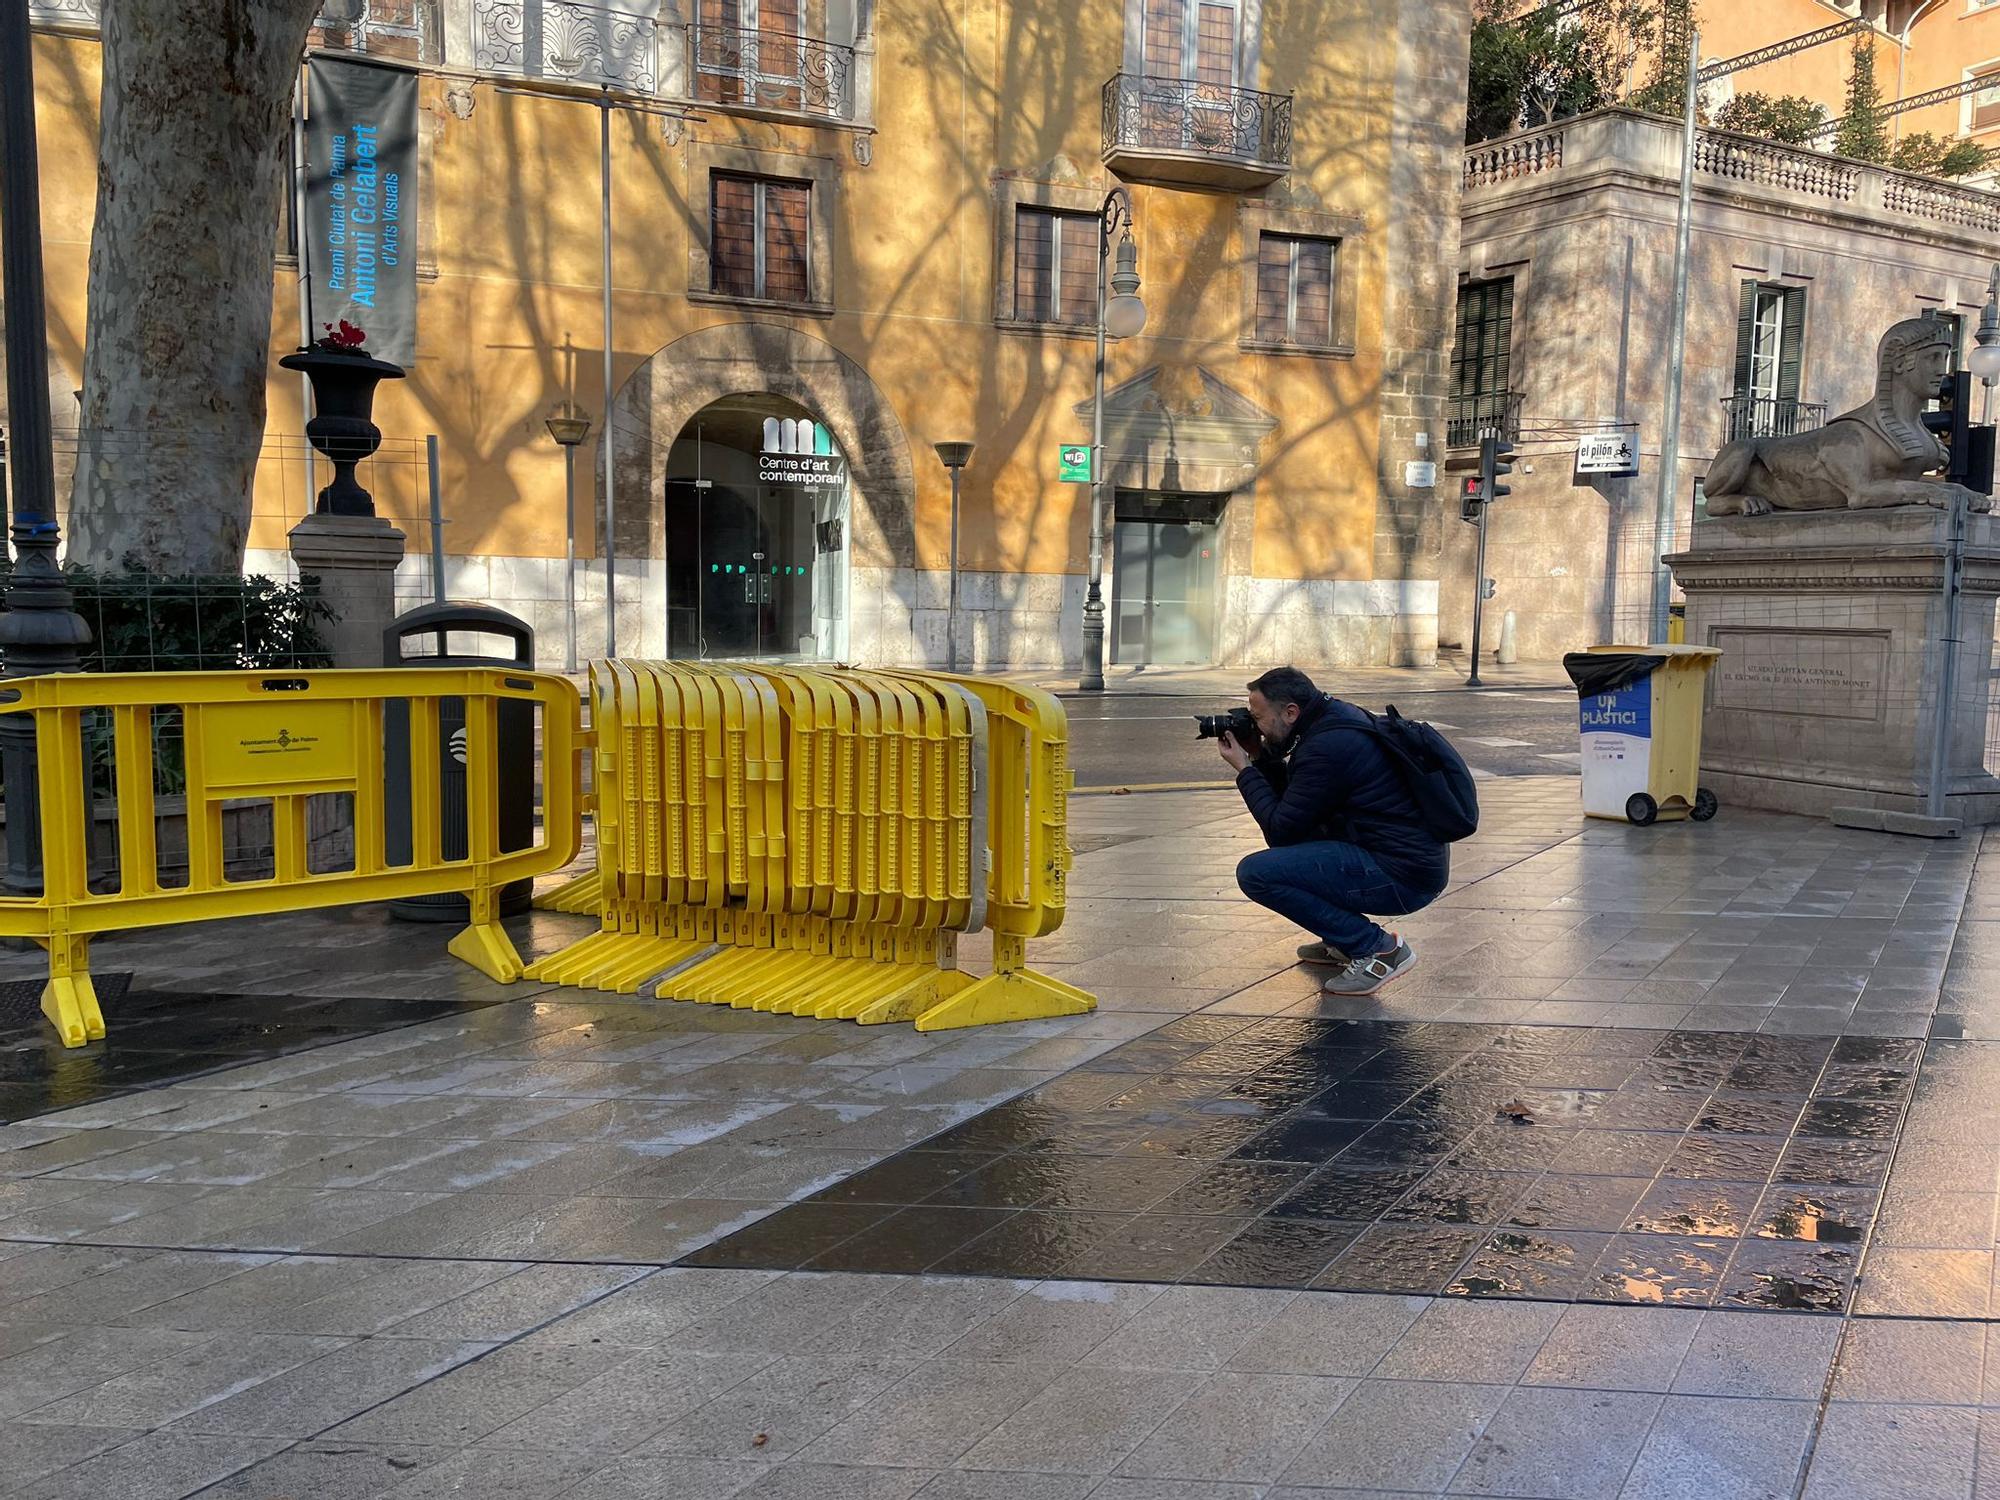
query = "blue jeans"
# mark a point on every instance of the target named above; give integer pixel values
(1326, 888)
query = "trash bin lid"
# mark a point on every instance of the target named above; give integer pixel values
(456, 617)
(1606, 669)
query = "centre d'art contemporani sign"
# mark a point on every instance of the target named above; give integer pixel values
(361, 201)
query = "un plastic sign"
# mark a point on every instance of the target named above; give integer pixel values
(1073, 465)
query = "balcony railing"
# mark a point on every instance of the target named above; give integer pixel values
(564, 40)
(772, 70)
(1770, 416)
(1466, 417)
(1205, 134)
(78, 13)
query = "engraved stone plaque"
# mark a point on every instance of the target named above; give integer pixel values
(1821, 674)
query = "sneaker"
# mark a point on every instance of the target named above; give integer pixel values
(1321, 953)
(1364, 976)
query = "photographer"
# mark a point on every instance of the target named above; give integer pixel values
(1346, 836)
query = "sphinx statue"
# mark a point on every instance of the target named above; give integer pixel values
(1873, 456)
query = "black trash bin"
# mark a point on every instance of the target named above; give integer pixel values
(438, 625)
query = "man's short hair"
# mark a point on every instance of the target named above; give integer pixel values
(1285, 685)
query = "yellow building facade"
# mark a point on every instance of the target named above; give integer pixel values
(852, 234)
(1921, 46)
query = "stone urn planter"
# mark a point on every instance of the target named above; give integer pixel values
(343, 383)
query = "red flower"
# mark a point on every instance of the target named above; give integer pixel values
(345, 338)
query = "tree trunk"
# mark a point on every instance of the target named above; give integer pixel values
(191, 177)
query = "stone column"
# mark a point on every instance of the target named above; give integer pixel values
(354, 558)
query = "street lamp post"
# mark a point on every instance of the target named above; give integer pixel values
(1984, 361)
(1670, 428)
(569, 427)
(39, 631)
(1122, 317)
(954, 456)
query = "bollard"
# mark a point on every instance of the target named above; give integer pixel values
(1509, 651)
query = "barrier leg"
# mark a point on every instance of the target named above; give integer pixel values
(581, 895)
(69, 999)
(484, 943)
(1012, 992)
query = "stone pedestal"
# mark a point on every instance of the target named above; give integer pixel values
(355, 560)
(1829, 625)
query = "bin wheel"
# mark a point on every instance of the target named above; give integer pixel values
(1641, 809)
(1705, 805)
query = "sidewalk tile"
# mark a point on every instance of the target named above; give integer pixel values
(1054, 1322)
(1881, 1452)
(1190, 1328)
(1085, 1422)
(961, 1401)
(1704, 1447)
(1396, 1432)
(1328, 1333)
(1908, 1360)
(158, 1466)
(1242, 1428)
(1458, 1339)
(1605, 1347)
(779, 1409)
(1562, 1444)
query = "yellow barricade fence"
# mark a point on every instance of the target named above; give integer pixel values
(813, 841)
(287, 738)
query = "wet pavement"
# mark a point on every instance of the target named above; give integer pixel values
(1672, 1171)
(1687, 1168)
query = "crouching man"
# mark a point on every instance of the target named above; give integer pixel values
(1348, 842)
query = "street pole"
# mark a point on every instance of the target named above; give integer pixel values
(954, 456)
(437, 519)
(40, 631)
(569, 427)
(1122, 316)
(1670, 428)
(1092, 678)
(569, 559)
(1479, 593)
(610, 468)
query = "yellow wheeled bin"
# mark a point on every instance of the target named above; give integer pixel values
(1639, 713)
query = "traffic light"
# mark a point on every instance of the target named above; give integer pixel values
(1968, 449)
(1469, 499)
(1486, 588)
(1494, 451)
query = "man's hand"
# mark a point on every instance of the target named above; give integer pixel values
(1233, 753)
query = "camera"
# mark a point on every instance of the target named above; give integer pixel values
(1237, 724)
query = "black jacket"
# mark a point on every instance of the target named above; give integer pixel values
(1335, 782)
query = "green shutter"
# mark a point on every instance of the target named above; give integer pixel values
(1792, 344)
(1746, 333)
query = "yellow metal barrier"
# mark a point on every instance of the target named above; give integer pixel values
(286, 737)
(813, 841)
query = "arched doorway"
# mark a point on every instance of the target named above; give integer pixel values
(754, 533)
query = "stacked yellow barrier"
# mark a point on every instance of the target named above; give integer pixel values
(812, 842)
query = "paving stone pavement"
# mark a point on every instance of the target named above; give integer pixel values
(437, 1259)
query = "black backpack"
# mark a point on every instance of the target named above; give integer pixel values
(1434, 774)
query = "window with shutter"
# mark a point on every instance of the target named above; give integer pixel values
(1770, 341)
(1484, 347)
(760, 238)
(1193, 43)
(1295, 290)
(1983, 108)
(1055, 267)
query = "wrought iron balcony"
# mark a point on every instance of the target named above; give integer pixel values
(1191, 134)
(771, 70)
(1770, 416)
(567, 42)
(82, 14)
(1466, 417)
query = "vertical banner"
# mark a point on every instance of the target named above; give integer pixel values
(361, 201)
